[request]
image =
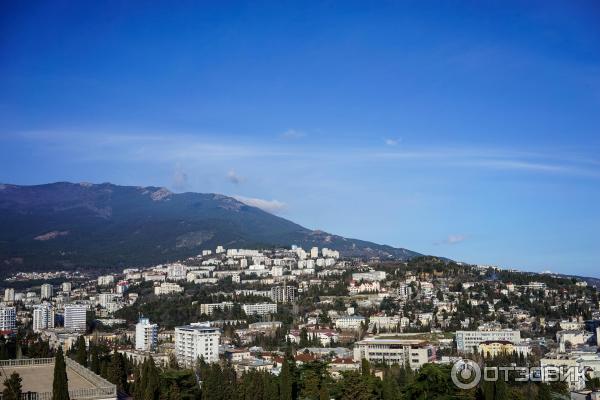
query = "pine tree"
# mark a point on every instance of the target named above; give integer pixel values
(81, 351)
(60, 386)
(12, 387)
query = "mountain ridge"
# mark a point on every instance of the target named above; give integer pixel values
(70, 225)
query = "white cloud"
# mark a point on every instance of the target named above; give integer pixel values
(270, 206)
(392, 142)
(293, 134)
(234, 178)
(452, 239)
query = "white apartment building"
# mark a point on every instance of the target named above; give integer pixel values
(167, 288)
(415, 353)
(468, 341)
(67, 287)
(283, 294)
(196, 341)
(8, 318)
(104, 299)
(314, 252)
(75, 317)
(260, 308)
(369, 276)
(146, 335)
(350, 322)
(43, 317)
(106, 280)
(9, 295)
(47, 291)
(177, 272)
(208, 309)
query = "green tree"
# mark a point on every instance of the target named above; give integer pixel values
(117, 373)
(285, 381)
(12, 387)
(152, 381)
(60, 385)
(81, 351)
(95, 360)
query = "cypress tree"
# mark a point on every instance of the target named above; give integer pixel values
(152, 388)
(81, 351)
(60, 386)
(95, 360)
(285, 381)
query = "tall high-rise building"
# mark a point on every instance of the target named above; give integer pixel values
(8, 318)
(146, 335)
(196, 341)
(43, 317)
(9, 295)
(75, 317)
(47, 291)
(66, 287)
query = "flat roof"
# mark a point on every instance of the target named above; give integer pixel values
(38, 378)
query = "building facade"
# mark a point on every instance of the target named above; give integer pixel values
(196, 341)
(146, 335)
(468, 341)
(75, 317)
(43, 317)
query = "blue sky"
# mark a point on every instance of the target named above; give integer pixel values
(464, 129)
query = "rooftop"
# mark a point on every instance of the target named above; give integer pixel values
(38, 374)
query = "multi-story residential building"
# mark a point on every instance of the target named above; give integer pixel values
(8, 318)
(369, 276)
(196, 341)
(9, 295)
(468, 341)
(414, 353)
(106, 280)
(208, 309)
(67, 287)
(43, 317)
(104, 299)
(314, 252)
(572, 338)
(350, 322)
(146, 335)
(75, 317)
(283, 294)
(47, 291)
(167, 288)
(260, 308)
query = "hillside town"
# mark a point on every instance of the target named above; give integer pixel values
(255, 311)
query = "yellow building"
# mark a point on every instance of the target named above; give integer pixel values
(494, 348)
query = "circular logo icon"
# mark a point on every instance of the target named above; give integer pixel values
(466, 374)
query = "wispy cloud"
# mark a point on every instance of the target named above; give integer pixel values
(292, 134)
(234, 178)
(270, 206)
(190, 149)
(452, 239)
(180, 178)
